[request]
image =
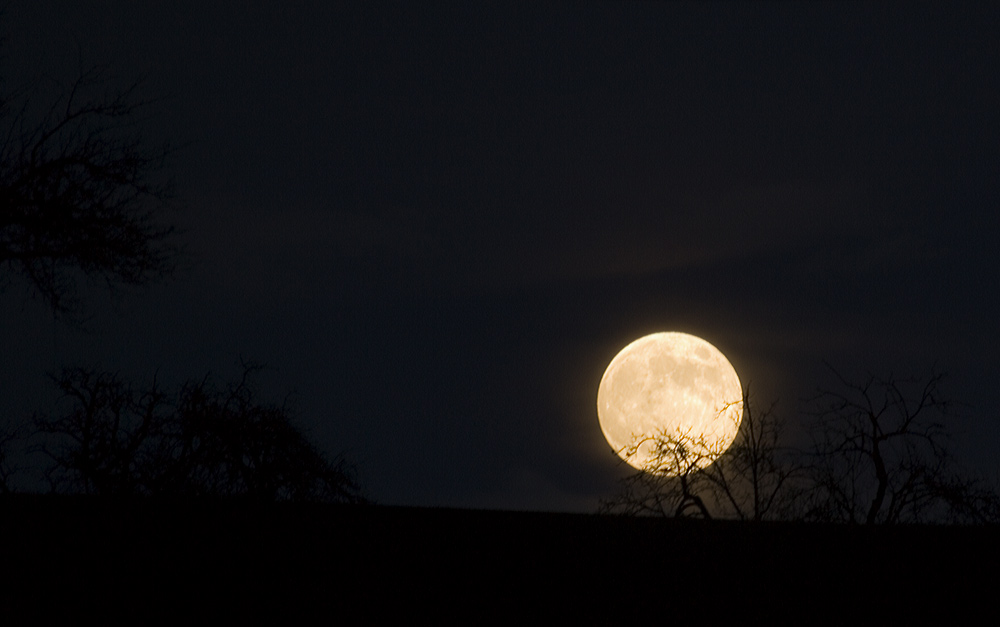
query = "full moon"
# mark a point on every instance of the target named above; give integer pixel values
(674, 386)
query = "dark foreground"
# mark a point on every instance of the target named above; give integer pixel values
(218, 561)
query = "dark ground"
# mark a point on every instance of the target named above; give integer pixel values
(136, 560)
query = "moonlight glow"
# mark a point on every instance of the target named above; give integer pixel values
(671, 385)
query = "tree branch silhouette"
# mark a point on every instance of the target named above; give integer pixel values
(751, 480)
(80, 191)
(670, 482)
(759, 477)
(881, 454)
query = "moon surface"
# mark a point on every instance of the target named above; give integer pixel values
(670, 385)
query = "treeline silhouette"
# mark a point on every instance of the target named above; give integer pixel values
(879, 452)
(83, 197)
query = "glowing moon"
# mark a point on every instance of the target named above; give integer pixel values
(670, 384)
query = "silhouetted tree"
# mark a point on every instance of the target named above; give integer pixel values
(227, 443)
(881, 454)
(759, 477)
(104, 439)
(113, 438)
(669, 482)
(79, 190)
(751, 480)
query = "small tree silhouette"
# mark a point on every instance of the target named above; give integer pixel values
(79, 192)
(751, 480)
(226, 443)
(760, 477)
(114, 438)
(104, 441)
(881, 454)
(669, 482)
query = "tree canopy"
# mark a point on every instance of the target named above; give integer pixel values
(81, 190)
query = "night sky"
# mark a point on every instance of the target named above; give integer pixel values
(436, 223)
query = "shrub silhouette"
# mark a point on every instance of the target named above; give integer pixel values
(117, 439)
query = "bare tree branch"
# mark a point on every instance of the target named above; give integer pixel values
(881, 454)
(81, 193)
(752, 480)
(759, 477)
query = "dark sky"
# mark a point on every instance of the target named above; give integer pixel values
(438, 222)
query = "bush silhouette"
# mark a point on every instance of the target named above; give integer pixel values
(111, 437)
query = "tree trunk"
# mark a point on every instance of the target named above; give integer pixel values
(880, 474)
